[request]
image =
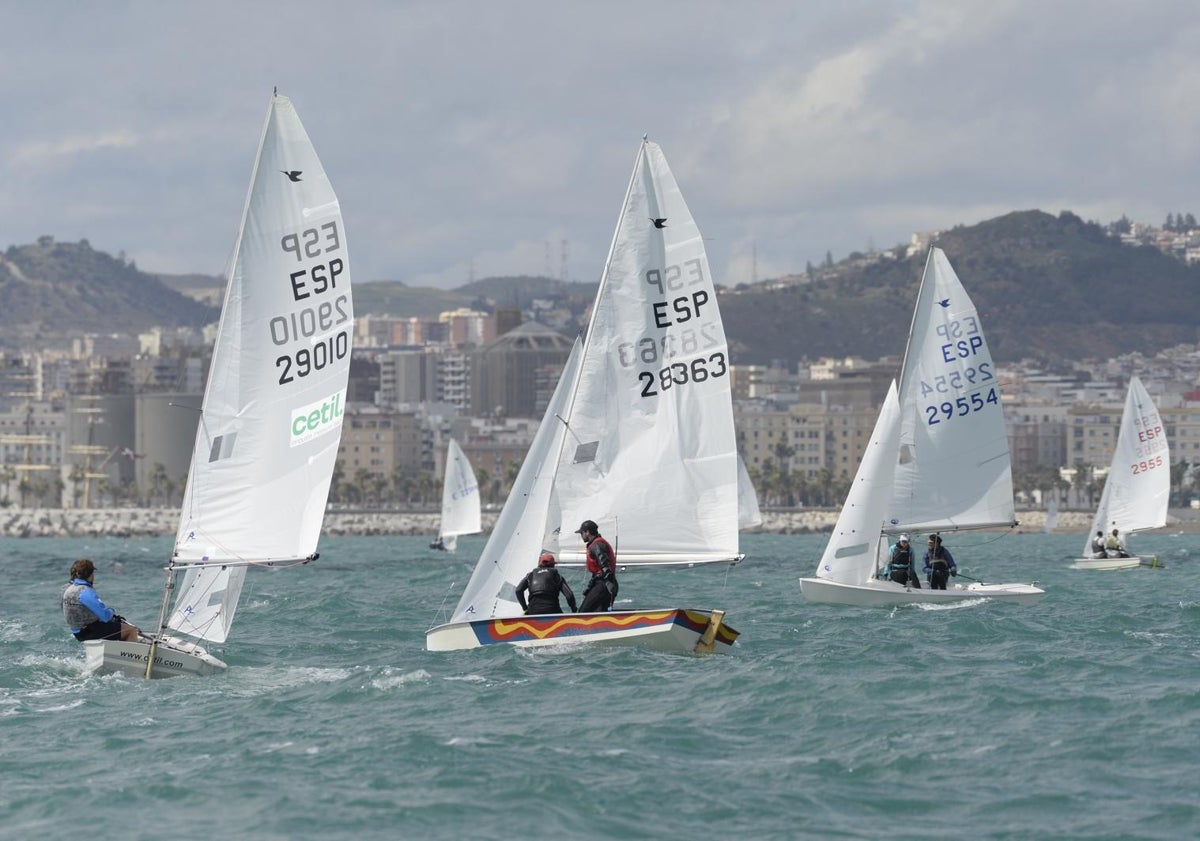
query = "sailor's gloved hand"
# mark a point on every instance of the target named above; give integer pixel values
(954, 572)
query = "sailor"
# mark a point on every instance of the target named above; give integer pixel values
(939, 563)
(87, 616)
(1098, 546)
(544, 583)
(901, 568)
(601, 590)
(1114, 547)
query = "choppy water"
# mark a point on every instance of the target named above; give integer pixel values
(1078, 718)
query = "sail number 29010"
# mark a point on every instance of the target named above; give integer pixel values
(681, 373)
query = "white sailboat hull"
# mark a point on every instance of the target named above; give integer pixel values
(1117, 563)
(891, 594)
(173, 657)
(675, 630)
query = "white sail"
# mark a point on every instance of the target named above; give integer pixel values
(851, 555)
(953, 470)
(749, 515)
(1137, 490)
(650, 454)
(270, 424)
(517, 538)
(460, 498)
(1051, 514)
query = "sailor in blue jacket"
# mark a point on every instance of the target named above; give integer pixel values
(939, 563)
(87, 616)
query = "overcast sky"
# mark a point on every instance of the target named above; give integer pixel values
(478, 136)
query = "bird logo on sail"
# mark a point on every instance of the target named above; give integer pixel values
(659, 223)
(945, 302)
(292, 174)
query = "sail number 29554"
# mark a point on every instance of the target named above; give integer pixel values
(975, 402)
(681, 373)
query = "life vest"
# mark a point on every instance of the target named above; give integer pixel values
(938, 558)
(593, 566)
(544, 582)
(78, 615)
(901, 558)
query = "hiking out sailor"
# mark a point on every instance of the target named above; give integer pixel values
(900, 567)
(544, 583)
(601, 589)
(87, 616)
(939, 563)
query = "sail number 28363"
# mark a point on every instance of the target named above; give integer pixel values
(975, 402)
(681, 373)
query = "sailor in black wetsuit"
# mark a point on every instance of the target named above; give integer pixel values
(544, 584)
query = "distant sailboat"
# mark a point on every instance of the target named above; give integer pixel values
(749, 515)
(1051, 514)
(460, 500)
(937, 460)
(271, 420)
(1137, 490)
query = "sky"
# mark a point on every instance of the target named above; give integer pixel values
(475, 139)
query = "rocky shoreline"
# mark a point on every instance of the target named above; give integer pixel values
(159, 522)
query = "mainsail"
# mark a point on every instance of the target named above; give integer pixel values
(650, 452)
(953, 470)
(271, 420)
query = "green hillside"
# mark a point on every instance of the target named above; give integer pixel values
(49, 287)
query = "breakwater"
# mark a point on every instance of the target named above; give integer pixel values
(154, 522)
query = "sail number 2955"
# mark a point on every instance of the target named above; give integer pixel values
(946, 410)
(681, 373)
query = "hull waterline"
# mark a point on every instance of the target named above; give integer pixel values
(678, 630)
(172, 658)
(889, 594)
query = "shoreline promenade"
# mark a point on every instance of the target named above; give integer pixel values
(162, 522)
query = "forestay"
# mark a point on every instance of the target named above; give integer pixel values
(1138, 487)
(953, 470)
(271, 420)
(650, 454)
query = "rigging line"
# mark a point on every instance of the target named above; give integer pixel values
(441, 616)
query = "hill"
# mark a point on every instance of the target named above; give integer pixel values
(50, 288)
(1048, 288)
(1053, 288)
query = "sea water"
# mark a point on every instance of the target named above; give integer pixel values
(1076, 718)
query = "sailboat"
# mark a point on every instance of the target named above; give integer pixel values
(460, 500)
(637, 437)
(1138, 488)
(749, 515)
(937, 460)
(271, 419)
